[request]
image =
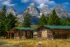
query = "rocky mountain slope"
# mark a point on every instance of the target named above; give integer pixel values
(45, 10)
(36, 12)
(61, 12)
(12, 11)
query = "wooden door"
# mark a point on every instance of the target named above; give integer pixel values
(28, 34)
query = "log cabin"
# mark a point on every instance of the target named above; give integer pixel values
(20, 33)
(52, 32)
(42, 32)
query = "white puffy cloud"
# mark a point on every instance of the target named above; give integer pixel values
(42, 5)
(45, 2)
(24, 0)
(8, 3)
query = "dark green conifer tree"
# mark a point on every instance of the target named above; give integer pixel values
(10, 21)
(27, 20)
(67, 21)
(42, 20)
(54, 19)
(2, 20)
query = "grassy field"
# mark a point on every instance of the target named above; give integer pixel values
(35, 43)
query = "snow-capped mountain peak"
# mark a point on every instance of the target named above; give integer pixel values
(12, 11)
(61, 12)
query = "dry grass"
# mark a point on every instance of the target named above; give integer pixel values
(34, 43)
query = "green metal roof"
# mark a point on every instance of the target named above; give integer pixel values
(23, 28)
(57, 27)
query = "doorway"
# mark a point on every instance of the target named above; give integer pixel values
(28, 34)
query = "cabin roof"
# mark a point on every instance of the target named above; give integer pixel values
(23, 28)
(57, 27)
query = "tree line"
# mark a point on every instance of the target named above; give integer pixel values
(53, 19)
(8, 21)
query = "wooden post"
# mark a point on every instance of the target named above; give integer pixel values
(10, 35)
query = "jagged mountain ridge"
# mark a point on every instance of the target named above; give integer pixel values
(12, 11)
(45, 10)
(61, 12)
(35, 12)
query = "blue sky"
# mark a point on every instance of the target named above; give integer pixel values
(21, 5)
